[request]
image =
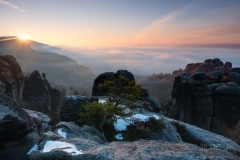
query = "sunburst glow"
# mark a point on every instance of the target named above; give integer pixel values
(23, 37)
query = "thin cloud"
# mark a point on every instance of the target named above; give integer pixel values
(13, 6)
(213, 29)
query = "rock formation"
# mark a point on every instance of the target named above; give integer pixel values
(12, 77)
(145, 95)
(210, 101)
(38, 95)
(208, 65)
(18, 132)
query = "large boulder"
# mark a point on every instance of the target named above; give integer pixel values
(194, 101)
(214, 77)
(70, 106)
(232, 75)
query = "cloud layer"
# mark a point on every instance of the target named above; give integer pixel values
(145, 61)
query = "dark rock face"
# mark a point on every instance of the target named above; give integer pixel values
(128, 75)
(38, 95)
(35, 94)
(96, 90)
(217, 95)
(226, 115)
(70, 106)
(194, 101)
(12, 77)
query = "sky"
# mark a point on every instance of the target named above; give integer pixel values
(109, 23)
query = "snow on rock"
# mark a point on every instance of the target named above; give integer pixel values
(61, 133)
(102, 101)
(67, 147)
(119, 136)
(121, 124)
(35, 147)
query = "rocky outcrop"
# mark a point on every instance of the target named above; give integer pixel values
(194, 101)
(38, 95)
(70, 107)
(11, 77)
(99, 91)
(217, 95)
(35, 94)
(208, 65)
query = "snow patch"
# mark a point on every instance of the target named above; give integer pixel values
(67, 147)
(121, 125)
(102, 101)
(119, 136)
(35, 147)
(61, 133)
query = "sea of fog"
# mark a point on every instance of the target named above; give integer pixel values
(147, 60)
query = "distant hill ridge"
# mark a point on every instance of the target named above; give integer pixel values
(59, 69)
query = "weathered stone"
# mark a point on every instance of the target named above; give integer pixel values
(194, 102)
(12, 77)
(38, 95)
(232, 75)
(203, 138)
(85, 132)
(35, 94)
(214, 77)
(226, 112)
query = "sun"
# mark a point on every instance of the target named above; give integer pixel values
(23, 37)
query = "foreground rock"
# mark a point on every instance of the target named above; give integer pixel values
(82, 145)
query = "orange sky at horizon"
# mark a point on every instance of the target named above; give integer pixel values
(125, 23)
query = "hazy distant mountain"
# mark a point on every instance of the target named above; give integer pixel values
(58, 68)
